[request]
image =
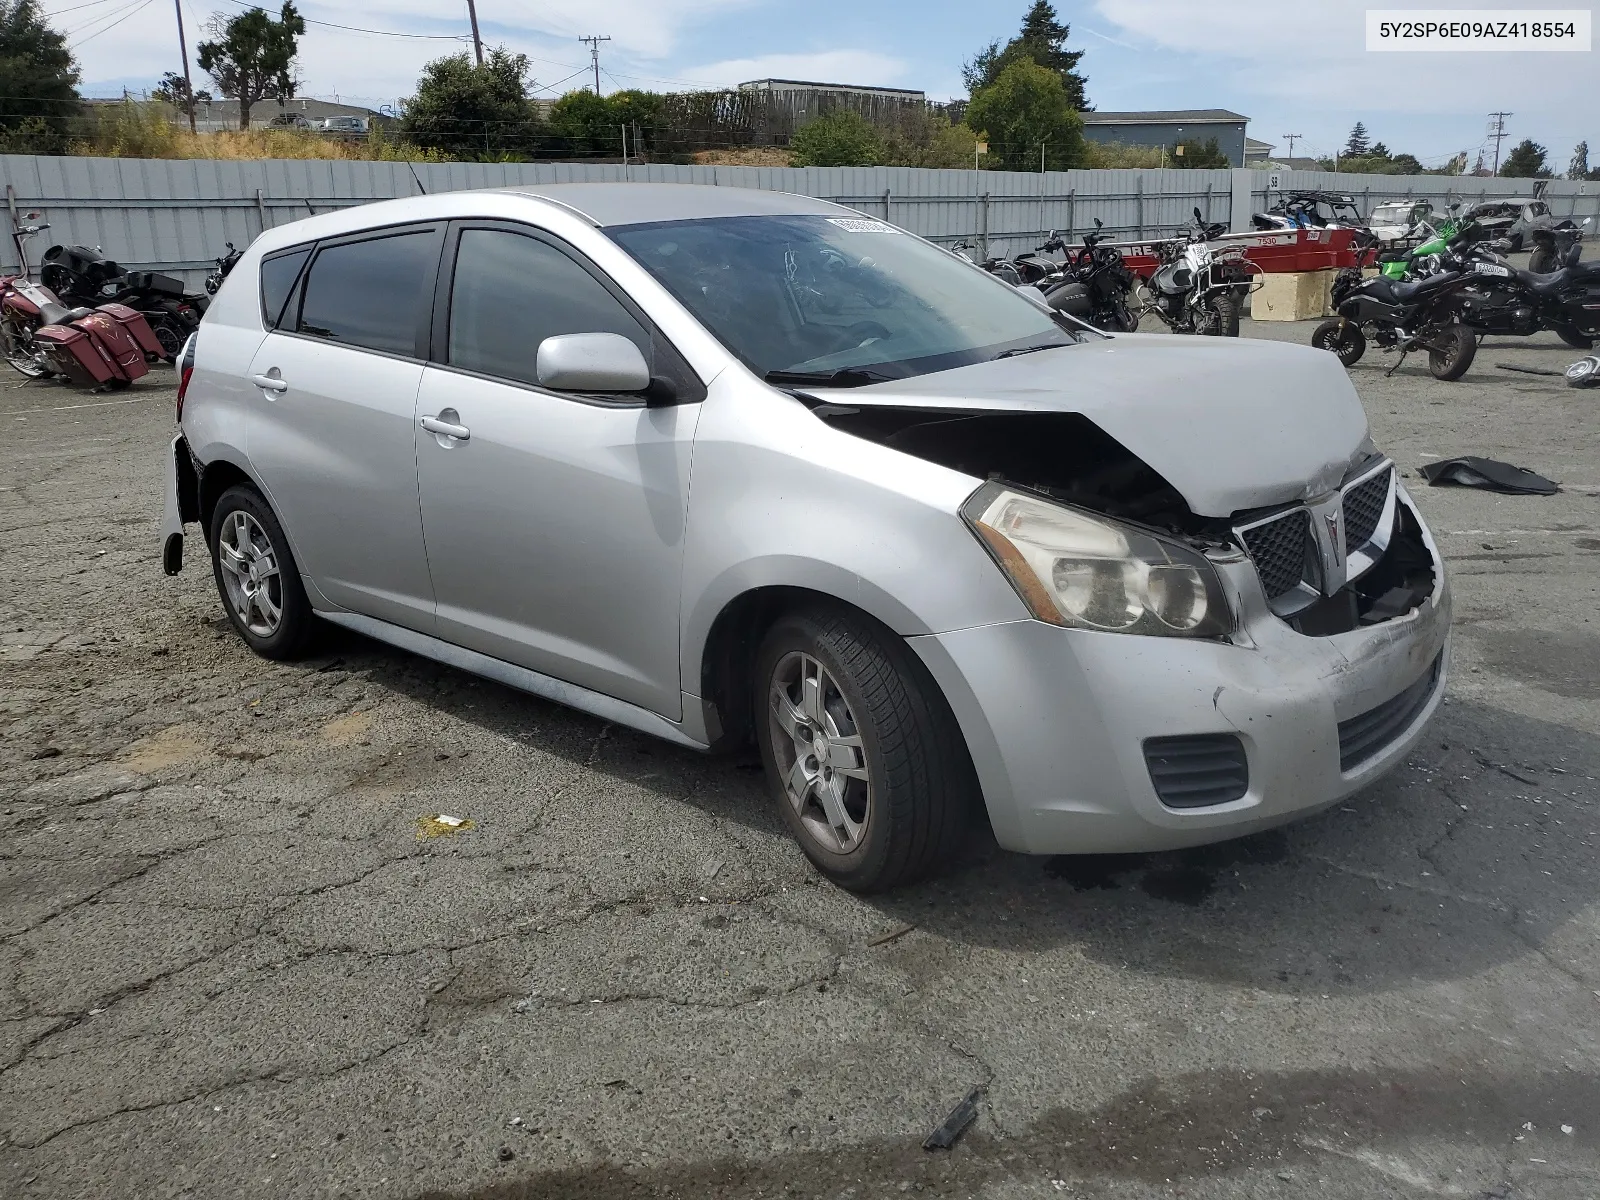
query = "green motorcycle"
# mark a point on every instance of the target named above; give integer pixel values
(1399, 265)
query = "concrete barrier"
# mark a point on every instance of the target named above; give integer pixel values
(1293, 296)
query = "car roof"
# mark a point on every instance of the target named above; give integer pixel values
(612, 204)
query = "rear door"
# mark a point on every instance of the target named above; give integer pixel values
(333, 406)
(555, 527)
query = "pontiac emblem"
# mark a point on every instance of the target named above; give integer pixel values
(1335, 545)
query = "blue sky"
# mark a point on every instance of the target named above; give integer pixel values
(1291, 67)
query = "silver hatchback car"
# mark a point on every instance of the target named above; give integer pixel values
(727, 465)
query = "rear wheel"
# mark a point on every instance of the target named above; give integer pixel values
(22, 352)
(1570, 335)
(1226, 307)
(863, 755)
(1452, 352)
(1343, 338)
(257, 577)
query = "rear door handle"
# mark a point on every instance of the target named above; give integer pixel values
(270, 382)
(445, 429)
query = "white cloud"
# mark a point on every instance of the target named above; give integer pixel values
(824, 66)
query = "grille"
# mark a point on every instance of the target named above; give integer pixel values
(1197, 771)
(1363, 508)
(1278, 549)
(1366, 735)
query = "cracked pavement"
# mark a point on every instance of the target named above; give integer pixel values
(231, 968)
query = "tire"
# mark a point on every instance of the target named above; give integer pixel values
(19, 352)
(883, 716)
(1343, 338)
(1458, 346)
(1578, 341)
(1542, 261)
(1227, 306)
(290, 635)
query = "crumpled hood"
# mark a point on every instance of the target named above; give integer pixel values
(1231, 423)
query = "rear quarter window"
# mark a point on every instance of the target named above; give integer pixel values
(278, 275)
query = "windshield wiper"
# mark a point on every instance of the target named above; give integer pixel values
(842, 377)
(1030, 349)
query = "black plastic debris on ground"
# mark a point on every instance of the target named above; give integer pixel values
(960, 1117)
(1490, 474)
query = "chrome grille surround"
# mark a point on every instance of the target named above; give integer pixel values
(1344, 535)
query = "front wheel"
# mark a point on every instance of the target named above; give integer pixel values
(1343, 338)
(1452, 352)
(862, 754)
(1570, 335)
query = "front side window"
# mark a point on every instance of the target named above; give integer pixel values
(370, 293)
(812, 294)
(512, 291)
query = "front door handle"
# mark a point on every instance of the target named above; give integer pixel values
(445, 429)
(270, 382)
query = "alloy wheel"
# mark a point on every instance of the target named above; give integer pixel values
(820, 756)
(250, 573)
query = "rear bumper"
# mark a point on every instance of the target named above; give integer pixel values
(1056, 720)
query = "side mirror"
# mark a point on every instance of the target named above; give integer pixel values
(1198, 219)
(591, 362)
(1098, 223)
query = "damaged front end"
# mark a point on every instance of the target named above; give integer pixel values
(1355, 556)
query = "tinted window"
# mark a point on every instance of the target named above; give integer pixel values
(277, 277)
(370, 293)
(511, 292)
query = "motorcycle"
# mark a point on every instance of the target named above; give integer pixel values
(1094, 286)
(1402, 316)
(1501, 299)
(1556, 245)
(225, 264)
(1197, 289)
(1022, 271)
(83, 275)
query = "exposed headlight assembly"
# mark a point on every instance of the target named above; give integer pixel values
(1088, 572)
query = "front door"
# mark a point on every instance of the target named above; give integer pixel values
(554, 527)
(334, 406)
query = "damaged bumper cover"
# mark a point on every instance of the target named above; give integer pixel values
(1066, 726)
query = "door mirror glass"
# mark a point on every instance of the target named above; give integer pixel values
(591, 362)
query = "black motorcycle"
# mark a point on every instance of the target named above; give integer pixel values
(225, 264)
(1499, 298)
(1556, 244)
(81, 275)
(1095, 286)
(1028, 268)
(1402, 316)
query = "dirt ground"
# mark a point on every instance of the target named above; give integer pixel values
(231, 967)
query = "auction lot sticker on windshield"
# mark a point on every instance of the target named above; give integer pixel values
(861, 225)
(1435, 29)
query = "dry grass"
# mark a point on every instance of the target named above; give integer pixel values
(749, 156)
(135, 129)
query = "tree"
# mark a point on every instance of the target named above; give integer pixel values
(1579, 167)
(922, 138)
(1526, 161)
(1196, 156)
(1026, 110)
(1042, 40)
(253, 55)
(467, 111)
(38, 82)
(841, 138)
(1357, 144)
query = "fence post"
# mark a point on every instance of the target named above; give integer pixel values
(1139, 196)
(886, 207)
(1072, 212)
(983, 226)
(1209, 187)
(261, 210)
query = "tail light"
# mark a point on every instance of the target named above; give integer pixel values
(185, 371)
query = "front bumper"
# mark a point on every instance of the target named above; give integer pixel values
(1056, 719)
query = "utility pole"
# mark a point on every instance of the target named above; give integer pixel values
(477, 42)
(593, 43)
(1292, 138)
(183, 53)
(1497, 130)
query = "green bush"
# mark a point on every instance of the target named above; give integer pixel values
(840, 138)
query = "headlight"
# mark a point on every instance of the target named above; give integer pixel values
(1086, 572)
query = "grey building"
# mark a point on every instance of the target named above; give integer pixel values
(1255, 151)
(833, 89)
(1170, 127)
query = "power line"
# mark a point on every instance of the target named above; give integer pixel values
(477, 42)
(1292, 138)
(428, 37)
(105, 28)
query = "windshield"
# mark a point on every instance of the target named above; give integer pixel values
(819, 295)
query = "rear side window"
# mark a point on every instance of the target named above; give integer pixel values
(371, 293)
(511, 292)
(277, 279)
